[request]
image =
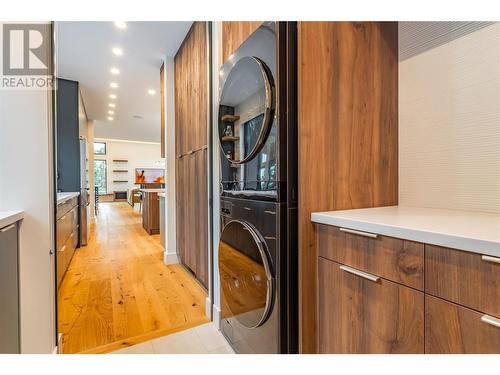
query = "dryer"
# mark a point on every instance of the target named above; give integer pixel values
(257, 253)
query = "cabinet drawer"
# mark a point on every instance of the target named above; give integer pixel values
(65, 207)
(392, 258)
(453, 329)
(357, 315)
(468, 279)
(65, 254)
(65, 225)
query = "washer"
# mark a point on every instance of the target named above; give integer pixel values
(257, 253)
(249, 266)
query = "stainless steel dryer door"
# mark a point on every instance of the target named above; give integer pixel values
(246, 275)
(246, 109)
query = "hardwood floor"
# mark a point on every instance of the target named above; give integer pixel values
(118, 292)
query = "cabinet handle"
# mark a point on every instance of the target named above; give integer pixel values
(62, 249)
(491, 259)
(359, 273)
(270, 212)
(269, 238)
(365, 234)
(491, 320)
(247, 208)
(7, 228)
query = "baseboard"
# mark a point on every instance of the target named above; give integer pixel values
(216, 310)
(170, 258)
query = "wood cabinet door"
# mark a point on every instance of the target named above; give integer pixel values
(454, 329)
(200, 218)
(180, 207)
(357, 315)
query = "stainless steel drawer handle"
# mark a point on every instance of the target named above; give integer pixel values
(247, 208)
(491, 320)
(359, 273)
(269, 238)
(491, 259)
(270, 212)
(358, 232)
(7, 228)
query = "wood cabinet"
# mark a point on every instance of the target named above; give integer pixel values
(392, 258)
(151, 212)
(358, 315)
(348, 132)
(191, 148)
(454, 329)
(468, 279)
(369, 302)
(234, 33)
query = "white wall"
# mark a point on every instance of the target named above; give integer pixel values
(216, 63)
(170, 219)
(26, 183)
(138, 154)
(449, 124)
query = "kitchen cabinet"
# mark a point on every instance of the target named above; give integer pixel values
(9, 290)
(362, 313)
(372, 297)
(150, 211)
(348, 132)
(191, 149)
(66, 235)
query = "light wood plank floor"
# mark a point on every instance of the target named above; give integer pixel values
(117, 290)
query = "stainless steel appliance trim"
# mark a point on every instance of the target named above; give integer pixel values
(359, 233)
(359, 273)
(491, 259)
(495, 322)
(268, 112)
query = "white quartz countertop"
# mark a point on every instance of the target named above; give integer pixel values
(10, 217)
(464, 230)
(153, 190)
(64, 196)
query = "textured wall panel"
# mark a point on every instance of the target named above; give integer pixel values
(449, 115)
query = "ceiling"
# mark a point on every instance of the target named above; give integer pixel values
(84, 54)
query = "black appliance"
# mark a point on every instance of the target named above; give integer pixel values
(257, 252)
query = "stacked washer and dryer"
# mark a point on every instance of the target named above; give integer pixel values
(257, 254)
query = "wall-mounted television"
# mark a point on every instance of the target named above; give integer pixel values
(149, 176)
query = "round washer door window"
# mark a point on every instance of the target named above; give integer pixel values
(246, 109)
(247, 282)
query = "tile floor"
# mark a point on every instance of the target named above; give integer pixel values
(204, 339)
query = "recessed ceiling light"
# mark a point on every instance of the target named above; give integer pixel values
(117, 51)
(112, 96)
(110, 118)
(111, 105)
(120, 24)
(115, 71)
(113, 85)
(111, 112)
(151, 92)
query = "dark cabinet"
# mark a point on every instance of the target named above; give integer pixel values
(9, 290)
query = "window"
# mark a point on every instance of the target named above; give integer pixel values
(99, 148)
(100, 176)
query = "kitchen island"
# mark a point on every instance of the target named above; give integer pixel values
(151, 210)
